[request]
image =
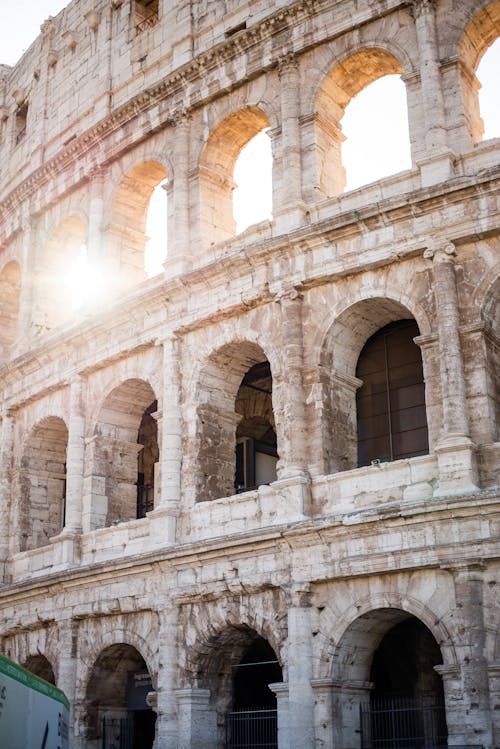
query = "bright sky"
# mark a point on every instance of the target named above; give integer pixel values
(21, 25)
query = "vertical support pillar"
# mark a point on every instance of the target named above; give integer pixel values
(455, 450)
(438, 164)
(6, 454)
(170, 425)
(67, 665)
(289, 213)
(323, 712)
(179, 251)
(300, 692)
(197, 719)
(473, 723)
(167, 720)
(293, 463)
(280, 689)
(27, 295)
(75, 458)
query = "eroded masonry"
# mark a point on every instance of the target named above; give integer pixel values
(251, 500)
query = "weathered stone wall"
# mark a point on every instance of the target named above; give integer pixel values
(323, 562)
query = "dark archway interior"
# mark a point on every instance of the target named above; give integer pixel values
(148, 456)
(41, 667)
(258, 668)
(407, 701)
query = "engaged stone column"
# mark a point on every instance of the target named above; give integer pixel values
(433, 170)
(455, 451)
(166, 722)
(290, 210)
(197, 719)
(170, 426)
(179, 253)
(6, 453)
(67, 665)
(75, 458)
(293, 461)
(473, 723)
(323, 712)
(280, 689)
(300, 693)
(94, 237)
(27, 295)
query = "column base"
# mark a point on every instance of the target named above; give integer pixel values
(176, 266)
(296, 489)
(437, 168)
(66, 549)
(457, 467)
(164, 524)
(290, 218)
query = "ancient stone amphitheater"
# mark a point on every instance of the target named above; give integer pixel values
(276, 462)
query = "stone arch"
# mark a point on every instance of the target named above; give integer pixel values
(216, 167)
(339, 355)
(126, 235)
(42, 483)
(479, 34)
(107, 695)
(10, 289)
(56, 264)
(219, 411)
(124, 441)
(40, 666)
(344, 81)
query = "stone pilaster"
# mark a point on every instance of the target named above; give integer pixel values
(347, 698)
(197, 719)
(179, 250)
(280, 689)
(75, 457)
(27, 295)
(67, 664)
(94, 259)
(6, 453)
(167, 508)
(438, 164)
(455, 451)
(290, 210)
(472, 724)
(323, 712)
(300, 692)
(166, 704)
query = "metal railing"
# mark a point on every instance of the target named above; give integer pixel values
(145, 499)
(248, 729)
(403, 723)
(117, 733)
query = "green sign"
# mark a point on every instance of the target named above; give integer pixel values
(33, 713)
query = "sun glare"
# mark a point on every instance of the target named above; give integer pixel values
(375, 125)
(253, 197)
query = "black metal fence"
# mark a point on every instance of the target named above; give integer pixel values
(145, 499)
(117, 733)
(249, 729)
(403, 723)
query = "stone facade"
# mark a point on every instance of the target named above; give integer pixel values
(253, 339)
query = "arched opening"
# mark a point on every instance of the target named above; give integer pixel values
(252, 719)
(137, 240)
(10, 287)
(59, 275)
(41, 667)
(43, 483)
(479, 45)
(342, 375)
(124, 454)
(489, 106)
(390, 404)
(256, 442)
(407, 701)
(375, 127)
(217, 166)
(399, 701)
(236, 433)
(340, 87)
(253, 194)
(118, 714)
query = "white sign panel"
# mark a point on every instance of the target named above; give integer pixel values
(33, 713)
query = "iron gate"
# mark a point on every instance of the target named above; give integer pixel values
(117, 733)
(403, 723)
(249, 729)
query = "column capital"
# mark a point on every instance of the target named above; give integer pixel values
(286, 291)
(440, 252)
(298, 595)
(287, 61)
(420, 7)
